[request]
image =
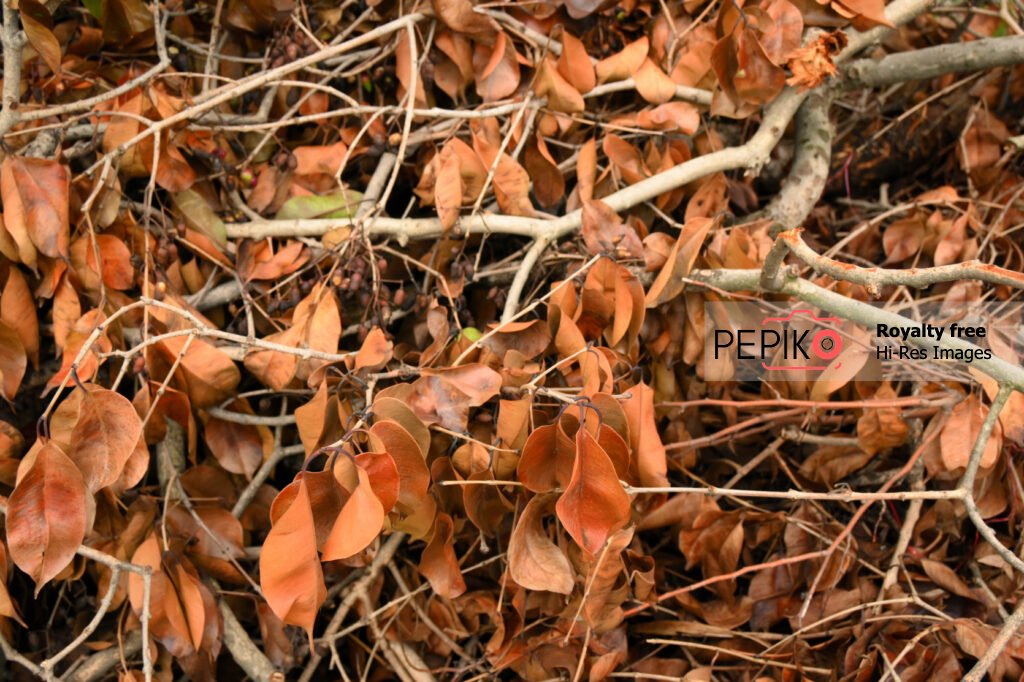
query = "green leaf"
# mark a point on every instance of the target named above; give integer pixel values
(343, 204)
(200, 217)
(94, 7)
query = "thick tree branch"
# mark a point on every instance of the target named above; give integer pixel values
(13, 41)
(809, 173)
(930, 62)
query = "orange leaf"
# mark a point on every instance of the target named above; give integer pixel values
(290, 573)
(562, 95)
(623, 64)
(414, 476)
(652, 83)
(361, 517)
(375, 351)
(960, 433)
(448, 187)
(497, 70)
(594, 504)
(574, 64)
(46, 515)
(13, 361)
(18, 310)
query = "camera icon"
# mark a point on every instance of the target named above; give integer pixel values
(814, 354)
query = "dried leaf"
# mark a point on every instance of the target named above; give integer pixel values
(594, 504)
(290, 573)
(46, 516)
(534, 561)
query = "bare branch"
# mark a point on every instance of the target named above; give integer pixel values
(930, 62)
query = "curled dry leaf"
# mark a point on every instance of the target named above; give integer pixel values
(623, 64)
(534, 561)
(562, 95)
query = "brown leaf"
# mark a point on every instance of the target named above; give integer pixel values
(497, 69)
(534, 561)
(783, 36)
(511, 181)
(414, 476)
(448, 187)
(105, 436)
(375, 351)
(548, 181)
(594, 504)
(652, 83)
(562, 95)
(35, 198)
(290, 573)
(574, 64)
(46, 515)
(18, 311)
(209, 376)
(652, 463)
(605, 233)
(460, 16)
(668, 284)
(946, 578)
(13, 361)
(239, 448)
(623, 64)
(361, 517)
(439, 563)
(38, 26)
(961, 431)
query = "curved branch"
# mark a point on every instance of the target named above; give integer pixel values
(809, 172)
(912, 277)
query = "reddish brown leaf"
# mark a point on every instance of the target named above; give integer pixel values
(594, 504)
(961, 431)
(439, 563)
(106, 434)
(46, 515)
(35, 198)
(13, 361)
(18, 311)
(574, 64)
